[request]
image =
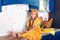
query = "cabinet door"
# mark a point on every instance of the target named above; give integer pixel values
(0, 5)
(33, 2)
(52, 5)
(7, 2)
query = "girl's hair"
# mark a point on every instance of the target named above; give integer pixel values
(33, 10)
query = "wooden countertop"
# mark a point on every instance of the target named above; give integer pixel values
(9, 37)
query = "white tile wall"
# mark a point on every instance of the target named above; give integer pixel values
(13, 18)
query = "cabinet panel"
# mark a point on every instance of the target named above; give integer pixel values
(7, 2)
(34, 2)
(0, 5)
(52, 5)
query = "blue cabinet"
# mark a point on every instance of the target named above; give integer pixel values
(34, 2)
(1, 5)
(30, 2)
(7, 2)
(52, 5)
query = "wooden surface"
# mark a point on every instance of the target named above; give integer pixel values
(9, 37)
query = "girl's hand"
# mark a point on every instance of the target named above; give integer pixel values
(20, 35)
(24, 31)
(13, 34)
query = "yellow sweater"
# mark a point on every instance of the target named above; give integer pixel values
(34, 34)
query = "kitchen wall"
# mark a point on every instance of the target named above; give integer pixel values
(13, 18)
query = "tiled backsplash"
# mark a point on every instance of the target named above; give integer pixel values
(13, 18)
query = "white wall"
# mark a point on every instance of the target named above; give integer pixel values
(13, 18)
(44, 15)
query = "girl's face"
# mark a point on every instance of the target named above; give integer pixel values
(33, 15)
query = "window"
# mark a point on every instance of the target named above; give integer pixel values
(44, 5)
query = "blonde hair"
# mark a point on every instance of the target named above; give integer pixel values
(34, 10)
(31, 24)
